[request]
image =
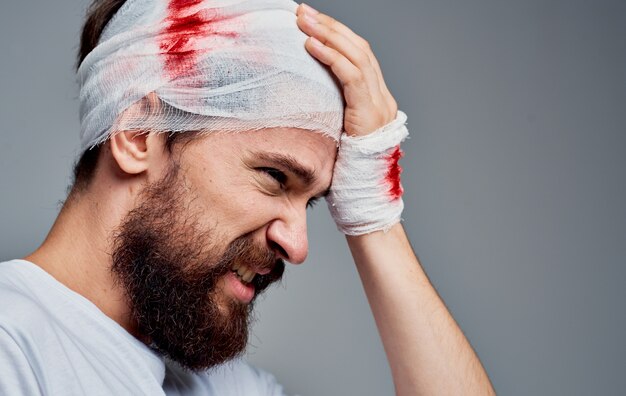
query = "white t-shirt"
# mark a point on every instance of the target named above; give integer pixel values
(53, 341)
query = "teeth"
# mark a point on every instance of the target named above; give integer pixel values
(244, 273)
(248, 276)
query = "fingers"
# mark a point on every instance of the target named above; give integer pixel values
(369, 104)
(335, 25)
(345, 31)
(342, 47)
(340, 41)
(356, 90)
(345, 70)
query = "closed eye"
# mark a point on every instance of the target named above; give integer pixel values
(312, 202)
(274, 173)
(281, 178)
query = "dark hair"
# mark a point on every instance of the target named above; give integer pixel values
(98, 15)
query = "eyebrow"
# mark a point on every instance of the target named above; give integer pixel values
(290, 163)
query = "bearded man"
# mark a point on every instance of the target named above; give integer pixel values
(207, 129)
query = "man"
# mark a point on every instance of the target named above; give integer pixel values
(146, 280)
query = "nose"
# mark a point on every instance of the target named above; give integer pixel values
(287, 236)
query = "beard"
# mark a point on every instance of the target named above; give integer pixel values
(169, 266)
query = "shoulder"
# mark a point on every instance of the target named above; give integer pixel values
(18, 294)
(236, 377)
(20, 318)
(21, 307)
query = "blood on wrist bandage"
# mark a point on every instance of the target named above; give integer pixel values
(366, 193)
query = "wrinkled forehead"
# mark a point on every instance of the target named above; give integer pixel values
(216, 65)
(315, 150)
(296, 142)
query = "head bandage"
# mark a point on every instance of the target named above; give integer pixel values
(215, 65)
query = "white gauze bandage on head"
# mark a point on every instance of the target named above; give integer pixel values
(366, 193)
(232, 66)
(215, 65)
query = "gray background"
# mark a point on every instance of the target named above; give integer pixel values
(514, 178)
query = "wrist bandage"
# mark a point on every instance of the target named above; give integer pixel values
(366, 194)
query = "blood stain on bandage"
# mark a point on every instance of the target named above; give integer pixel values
(393, 174)
(183, 30)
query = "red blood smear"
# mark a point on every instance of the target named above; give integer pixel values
(393, 174)
(183, 30)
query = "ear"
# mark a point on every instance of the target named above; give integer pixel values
(130, 151)
(135, 151)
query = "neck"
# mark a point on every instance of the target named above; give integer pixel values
(77, 251)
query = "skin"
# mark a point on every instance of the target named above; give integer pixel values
(427, 351)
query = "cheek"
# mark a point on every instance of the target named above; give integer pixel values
(234, 206)
(227, 195)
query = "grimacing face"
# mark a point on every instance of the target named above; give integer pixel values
(232, 175)
(229, 203)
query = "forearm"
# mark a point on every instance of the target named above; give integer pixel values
(426, 349)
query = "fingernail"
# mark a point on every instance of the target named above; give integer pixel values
(309, 19)
(308, 9)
